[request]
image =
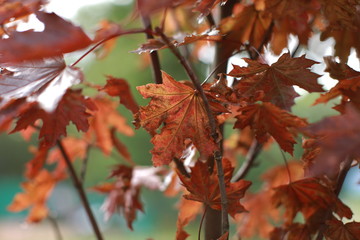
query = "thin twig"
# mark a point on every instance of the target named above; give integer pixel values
(55, 226)
(155, 62)
(78, 186)
(296, 50)
(251, 155)
(212, 123)
(286, 164)
(106, 39)
(201, 222)
(85, 163)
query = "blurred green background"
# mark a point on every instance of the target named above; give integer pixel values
(159, 218)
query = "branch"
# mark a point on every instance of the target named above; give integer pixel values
(85, 163)
(339, 183)
(253, 152)
(155, 63)
(78, 186)
(212, 123)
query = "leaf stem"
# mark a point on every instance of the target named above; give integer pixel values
(250, 158)
(78, 186)
(55, 226)
(85, 163)
(106, 39)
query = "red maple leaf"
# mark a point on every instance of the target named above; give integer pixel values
(267, 118)
(30, 45)
(45, 81)
(338, 230)
(179, 107)
(72, 107)
(337, 139)
(204, 187)
(308, 196)
(277, 80)
(12, 10)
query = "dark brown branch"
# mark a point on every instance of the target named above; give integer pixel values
(78, 186)
(252, 154)
(212, 123)
(155, 62)
(339, 183)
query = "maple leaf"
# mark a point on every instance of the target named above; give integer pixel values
(72, 107)
(337, 230)
(277, 80)
(30, 45)
(204, 187)
(247, 24)
(45, 81)
(343, 25)
(11, 10)
(309, 197)
(104, 124)
(36, 193)
(295, 231)
(265, 119)
(118, 87)
(35, 165)
(348, 86)
(181, 110)
(123, 194)
(338, 139)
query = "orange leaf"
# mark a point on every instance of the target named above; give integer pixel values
(36, 193)
(181, 110)
(105, 120)
(204, 187)
(308, 196)
(265, 119)
(11, 10)
(337, 230)
(118, 87)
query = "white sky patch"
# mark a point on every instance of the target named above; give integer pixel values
(69, 8)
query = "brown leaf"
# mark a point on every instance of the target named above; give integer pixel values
(181, 110)
(45, 81)
(277, 80)
(72, 107)
(265, 119)
(118, 87)
(188, 210)
(338, 139)
(308, 196)
(337, 230)
(30, 45)
(36, 192)
(204, 187)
